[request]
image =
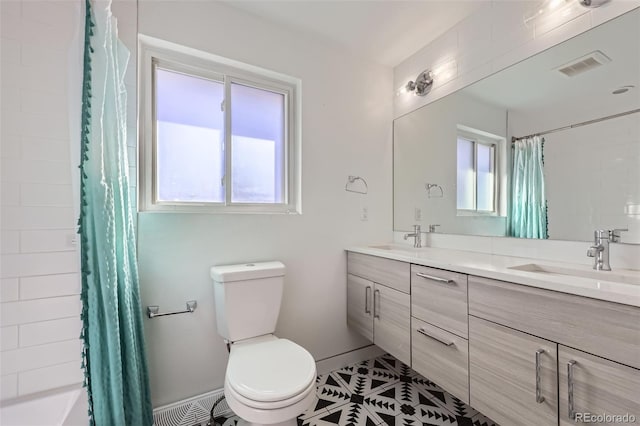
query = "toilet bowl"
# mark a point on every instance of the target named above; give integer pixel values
(269, 381)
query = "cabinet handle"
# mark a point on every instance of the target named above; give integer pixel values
(572, 412)
(376, 306)
(436, 338)
(434, 278)
(539, 397)
(367, 290)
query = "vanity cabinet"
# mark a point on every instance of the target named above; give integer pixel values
(521, 355)
(597, 342)
(590, 384)
(513, 375)
(607, 329)
(377, 306)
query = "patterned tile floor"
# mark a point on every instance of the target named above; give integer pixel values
(383, 391)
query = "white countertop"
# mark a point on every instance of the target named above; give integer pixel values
(498, 267)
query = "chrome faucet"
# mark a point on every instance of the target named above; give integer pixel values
(432, 228)
(417, 243)
(600, 248)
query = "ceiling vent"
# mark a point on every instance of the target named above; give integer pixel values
(584, 64)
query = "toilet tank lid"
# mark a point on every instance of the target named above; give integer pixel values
(247, 271)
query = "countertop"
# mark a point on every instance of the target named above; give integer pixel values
(620, 285)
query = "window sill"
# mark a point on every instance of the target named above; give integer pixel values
(223, 210)
(470, 213)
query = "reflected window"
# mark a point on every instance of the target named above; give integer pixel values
(476, 173)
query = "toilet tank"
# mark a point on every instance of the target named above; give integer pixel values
(247, 298)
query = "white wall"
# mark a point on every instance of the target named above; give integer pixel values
(492, 39)
(346, 128)
(40, 347)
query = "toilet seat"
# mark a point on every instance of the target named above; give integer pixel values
(270, 373)
(272, 405)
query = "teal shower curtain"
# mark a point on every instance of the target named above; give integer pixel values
(114, 356)
(528, 217)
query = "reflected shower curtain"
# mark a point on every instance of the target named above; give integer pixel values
(114, 358)
(528, 216)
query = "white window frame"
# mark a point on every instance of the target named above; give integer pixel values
(478, 137)
(155, 53)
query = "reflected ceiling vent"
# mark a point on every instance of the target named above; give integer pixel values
(584, 64)
(623, 89)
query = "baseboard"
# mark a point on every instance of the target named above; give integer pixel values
(191, 411)
(342, 360)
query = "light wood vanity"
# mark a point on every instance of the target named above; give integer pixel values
(520, 355)
(378, 302)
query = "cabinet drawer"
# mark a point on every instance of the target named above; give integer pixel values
(607, 329)
(440, 298)
(392, 273)
(441, 356)
(600, 387)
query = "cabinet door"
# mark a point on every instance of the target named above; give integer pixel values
(360, 305)
(597, 386)
(392, 322)
(513, 376)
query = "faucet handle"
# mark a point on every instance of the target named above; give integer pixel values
(416, 229)
(614, 234)
(432, 228)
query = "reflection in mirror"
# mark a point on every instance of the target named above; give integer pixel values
(548, 148)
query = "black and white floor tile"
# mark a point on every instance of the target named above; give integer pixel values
(383, 391)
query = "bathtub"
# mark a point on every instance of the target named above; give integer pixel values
(66, 407)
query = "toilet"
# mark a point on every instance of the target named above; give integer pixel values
(269, 381)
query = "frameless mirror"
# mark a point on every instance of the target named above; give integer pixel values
(454, 166)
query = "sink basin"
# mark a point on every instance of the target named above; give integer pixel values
(583, 273)
(396, 248)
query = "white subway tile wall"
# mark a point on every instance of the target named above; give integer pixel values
(39, 268)
(491, 39)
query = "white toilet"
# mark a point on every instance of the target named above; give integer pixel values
(269, 380)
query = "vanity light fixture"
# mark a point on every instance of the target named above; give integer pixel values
(422, 85)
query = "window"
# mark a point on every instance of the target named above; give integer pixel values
(477, 180)
(216, 135)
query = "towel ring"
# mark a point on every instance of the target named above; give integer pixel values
(351, 180)
(439, 192)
